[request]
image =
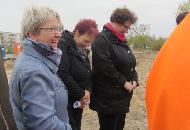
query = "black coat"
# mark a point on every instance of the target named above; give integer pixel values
(73, 71)
(113, 63)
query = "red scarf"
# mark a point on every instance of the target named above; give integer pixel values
(121, 37)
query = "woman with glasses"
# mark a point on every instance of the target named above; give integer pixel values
(113, 71)
(38, 97)
(74, 69)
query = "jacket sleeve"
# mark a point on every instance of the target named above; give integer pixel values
(89, 86)
(135, 77)
(74, 90)
(38, 104)
(102, 61)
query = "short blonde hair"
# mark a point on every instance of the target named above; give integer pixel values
(34, 16)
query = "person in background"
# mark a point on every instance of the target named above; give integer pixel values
(38, 96)
(180, 17)
(74, 69)
(167, 87)
(113, 71)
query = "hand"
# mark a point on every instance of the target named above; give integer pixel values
(134, 84)
(87, 95)
(85, 99)
(128, 86)
(83, 105)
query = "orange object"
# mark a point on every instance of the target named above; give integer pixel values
(17, 48)
(168, 84)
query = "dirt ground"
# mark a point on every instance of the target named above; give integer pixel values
(136, 119)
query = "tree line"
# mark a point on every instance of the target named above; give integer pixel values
(139, 36)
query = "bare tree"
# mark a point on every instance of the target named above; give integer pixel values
(139, 30)
(183, 7)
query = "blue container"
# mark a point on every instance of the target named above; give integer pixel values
(3, 51)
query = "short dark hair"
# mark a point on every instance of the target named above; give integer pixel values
(88, 26)
(180, 17)
(122, 14)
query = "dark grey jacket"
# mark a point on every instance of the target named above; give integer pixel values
(73, 71)
(113, 63)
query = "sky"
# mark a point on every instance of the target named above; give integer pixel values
(159, 14)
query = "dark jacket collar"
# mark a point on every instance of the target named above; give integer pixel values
(112, 37)
(68, 36)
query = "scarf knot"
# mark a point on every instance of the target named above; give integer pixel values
(82, 53)
(45, 49)
(121, 37)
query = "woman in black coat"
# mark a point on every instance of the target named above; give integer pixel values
(113, 71)
(74, 69)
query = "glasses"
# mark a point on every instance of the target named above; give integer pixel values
(126, 27)
(53, 29)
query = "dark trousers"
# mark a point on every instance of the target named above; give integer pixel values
(75, 116)
(111, 122)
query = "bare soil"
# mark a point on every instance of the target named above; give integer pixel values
(136, 119)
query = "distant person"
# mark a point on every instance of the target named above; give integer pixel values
(74, 69)
(38, 97)
(180, 17)
(168, 86)
(113, 71)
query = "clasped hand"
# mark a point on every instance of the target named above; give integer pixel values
(130, 85)
(85, 99)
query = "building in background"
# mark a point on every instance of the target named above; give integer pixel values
(9, 38)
